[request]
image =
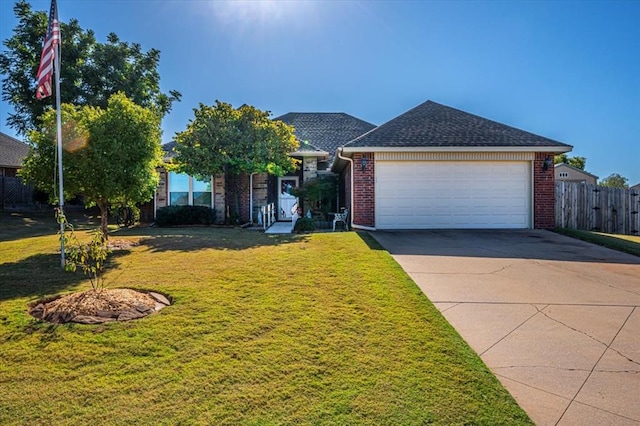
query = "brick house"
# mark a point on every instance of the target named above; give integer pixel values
(431, 167)
(319, 134)
(439, 167)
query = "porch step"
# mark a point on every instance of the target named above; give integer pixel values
(279, 228)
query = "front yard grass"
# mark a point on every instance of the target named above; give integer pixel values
(625, 243)
(265, 329)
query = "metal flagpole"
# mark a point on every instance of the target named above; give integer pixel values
(59, 138)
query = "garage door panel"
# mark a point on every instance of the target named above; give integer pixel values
(432, 194)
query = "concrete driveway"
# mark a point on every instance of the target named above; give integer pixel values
(556, 319)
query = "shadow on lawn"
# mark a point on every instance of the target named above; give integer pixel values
(194, 239)
(40, 275)
(17, 225)
(371, 242)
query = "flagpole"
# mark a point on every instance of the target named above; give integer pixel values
(59, 139)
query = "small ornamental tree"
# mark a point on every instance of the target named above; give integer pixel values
(221, 139)
(319, 192)
(109, 157)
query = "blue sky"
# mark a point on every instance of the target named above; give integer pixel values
(566, 70)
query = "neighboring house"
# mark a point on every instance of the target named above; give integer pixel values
(12, 154)
(566, 173)
(319, 134)
(431, 167)
(636, 187)
(439, 167)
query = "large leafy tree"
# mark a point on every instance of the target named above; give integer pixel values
(577, 162)
(221, 139)
(615, 180)
(91, 71)
(110, 155)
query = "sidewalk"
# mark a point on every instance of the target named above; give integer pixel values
(279, 228)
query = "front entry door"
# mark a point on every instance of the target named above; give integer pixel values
(286, 200)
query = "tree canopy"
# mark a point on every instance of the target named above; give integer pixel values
(91, 71)
(110, 155)
(615, 180)
(221, 139)
(577, 162)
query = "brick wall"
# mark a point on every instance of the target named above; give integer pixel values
(543, 193)
(364, 190)
(219, 201)
(162, 194)
(241, 183)
(260, 193)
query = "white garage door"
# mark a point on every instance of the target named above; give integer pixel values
(452, 194)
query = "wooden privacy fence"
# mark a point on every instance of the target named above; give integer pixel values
(14, 192)
(597, 208)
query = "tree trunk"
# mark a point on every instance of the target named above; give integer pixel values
(103, 205)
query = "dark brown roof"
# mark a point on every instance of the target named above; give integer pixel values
(168, 148)
(12, 151)
(325, 131)
(433, 125)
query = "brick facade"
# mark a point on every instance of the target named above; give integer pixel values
(219, 198)
(260, 193)
(543, 192)
(241, 183)
(364, 190)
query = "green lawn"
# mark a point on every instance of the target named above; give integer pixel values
(315, 329)
(625, 243)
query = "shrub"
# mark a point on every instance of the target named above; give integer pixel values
(185, 215)
(304, 224)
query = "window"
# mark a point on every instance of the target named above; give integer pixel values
(563, 174)
(185, 190)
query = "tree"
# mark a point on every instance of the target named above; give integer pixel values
(577, 162)
(235, 142)
(614, 180)
(319, 192)
(110, 155)
(91, 71)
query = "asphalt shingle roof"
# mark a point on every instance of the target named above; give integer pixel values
(325, 131)
(12, 151)
(168, 148)
(433, 125)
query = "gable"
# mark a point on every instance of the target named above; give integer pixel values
(324, 131)
(573, 171)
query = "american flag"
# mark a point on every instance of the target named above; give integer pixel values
(51, 40)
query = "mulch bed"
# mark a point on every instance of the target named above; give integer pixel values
(99, 306)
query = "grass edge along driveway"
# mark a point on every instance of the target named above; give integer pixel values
(313, 329)
(624, 243)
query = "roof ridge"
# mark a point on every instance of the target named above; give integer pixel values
(432, 124)
(383, 125)
(11, 138)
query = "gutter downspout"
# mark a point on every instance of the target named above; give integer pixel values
(353, 226)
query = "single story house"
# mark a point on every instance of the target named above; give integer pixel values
(319, 134)
(12, 154)
(439, 167)
(431, 167)
(566, 173)
(635, 187)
